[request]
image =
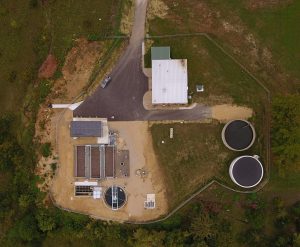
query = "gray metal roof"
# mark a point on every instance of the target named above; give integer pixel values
(86, 129)
(160, 53)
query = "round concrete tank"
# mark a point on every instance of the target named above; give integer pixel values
(115, 197)
(246, 171)
(238, 135)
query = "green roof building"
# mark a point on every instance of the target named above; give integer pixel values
(160, 53)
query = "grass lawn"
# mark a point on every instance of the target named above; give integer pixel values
(277, 26)
(20, 27)
(196, 154)
(86, 19)
(30, 31)
(193, 157)
(273, 27)
(222, 78)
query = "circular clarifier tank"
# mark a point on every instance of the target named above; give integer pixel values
(115, 197)
(238, 135)
(246, 171)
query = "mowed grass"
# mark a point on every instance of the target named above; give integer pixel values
(193, 157)
(208, 65)
(29, 32)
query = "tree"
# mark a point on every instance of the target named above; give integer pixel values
(27, 228)
(143, 237)
(224, 234)
(296, 209)
(176, 238)
(202, 226)
(296, 240)
(12, 76)
(286, 129)
(45, 221)
(46, 150)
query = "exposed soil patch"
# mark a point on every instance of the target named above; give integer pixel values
(48, 67)
(212, 100)
(259, 4)
(127, 18)
(79, 64)
(157, 8)
(225, 113)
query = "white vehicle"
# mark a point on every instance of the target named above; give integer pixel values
(105, 81)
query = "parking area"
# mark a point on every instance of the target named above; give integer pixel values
(122, 98)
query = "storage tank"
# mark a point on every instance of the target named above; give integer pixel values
(246, 171)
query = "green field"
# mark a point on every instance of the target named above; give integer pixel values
(277, 27)
(273, 27)
(32, 29)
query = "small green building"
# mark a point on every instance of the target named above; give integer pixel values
(160, 53)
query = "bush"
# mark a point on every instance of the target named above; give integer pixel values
(44, 90)
(87, 24)
(12, 76)
(45, 220)
(296, 209)
(53, 167)
(46, 150)
(33, 3)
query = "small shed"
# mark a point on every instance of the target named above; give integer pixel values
(199, 88)
(160, 53)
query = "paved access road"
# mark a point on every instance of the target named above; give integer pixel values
(122, 99)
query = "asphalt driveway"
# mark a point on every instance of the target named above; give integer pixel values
(122, 99)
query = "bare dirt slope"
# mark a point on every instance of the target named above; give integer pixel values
(75, 74)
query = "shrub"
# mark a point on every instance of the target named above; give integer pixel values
(33, 3)
(44, 90)
(46, 149)
(12, 76)
(53, 167)
(87, 24)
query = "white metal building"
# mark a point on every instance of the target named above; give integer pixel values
(169, 80)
